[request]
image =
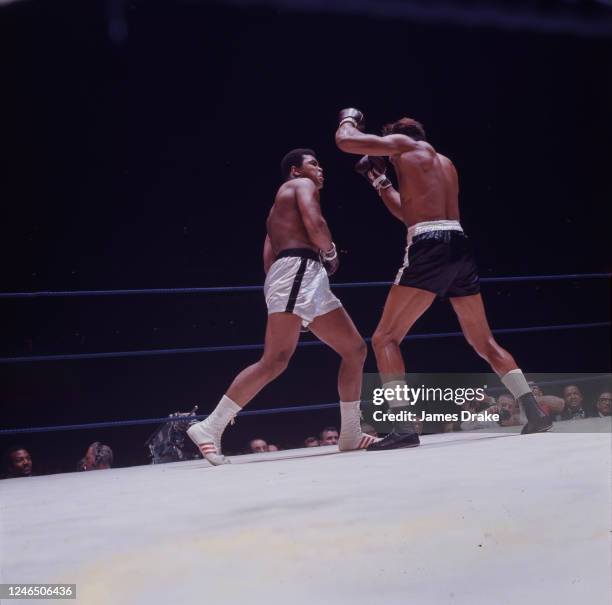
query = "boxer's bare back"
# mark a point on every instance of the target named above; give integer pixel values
(428, 185)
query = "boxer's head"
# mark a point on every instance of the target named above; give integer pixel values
(302, 163)
(411, 128)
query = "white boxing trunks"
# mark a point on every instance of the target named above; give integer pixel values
(297, 283)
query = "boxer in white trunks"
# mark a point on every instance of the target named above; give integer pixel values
(438, 260)
(298, 256)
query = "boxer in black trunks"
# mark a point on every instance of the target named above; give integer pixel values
(438, 260)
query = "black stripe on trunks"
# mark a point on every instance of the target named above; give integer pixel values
(297, 282)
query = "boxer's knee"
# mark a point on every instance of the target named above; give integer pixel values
(381, 339)
(488, 349)
(276, 362)
(357, 352)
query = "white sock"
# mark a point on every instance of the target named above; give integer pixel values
(516, 383)
(351, 436)
(395, 401)
(224, 412)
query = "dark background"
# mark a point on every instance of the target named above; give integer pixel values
(142, 143)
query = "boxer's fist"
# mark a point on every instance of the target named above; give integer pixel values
(353, 116)
(330, 260)
(331, 266)
(373, 169)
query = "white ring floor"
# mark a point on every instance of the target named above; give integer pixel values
(466, 519)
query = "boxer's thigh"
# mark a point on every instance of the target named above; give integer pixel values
(337, 330)
(404, 305)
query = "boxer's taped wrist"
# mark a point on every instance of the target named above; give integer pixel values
(348, 120)
(381, 182)
(331, 254)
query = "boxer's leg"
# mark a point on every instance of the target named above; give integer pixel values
(282, 334)
(475, 327)
(337, 330)
(403, 307)
(473, 320)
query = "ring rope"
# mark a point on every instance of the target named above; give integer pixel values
(252, 347)
(284, 410)
(223, 289)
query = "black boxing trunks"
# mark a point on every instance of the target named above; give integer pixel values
(439, 259)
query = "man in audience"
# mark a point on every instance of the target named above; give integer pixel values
(98, 457)
(17, 462)
(257, 446)
(603, 405)
(311, 442)
(509, 410)
(549, 403)
(328, 436)
(273, 448)
(573, 404)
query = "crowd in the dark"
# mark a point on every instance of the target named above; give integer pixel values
(169, 442)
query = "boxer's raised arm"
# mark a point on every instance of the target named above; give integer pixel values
(310, 210)
(268, 254)
(350, 140)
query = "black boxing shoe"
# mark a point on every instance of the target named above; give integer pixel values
(538, 421)
(540, 426)
(395, 441)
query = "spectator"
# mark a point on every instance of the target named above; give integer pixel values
(257, 446)
(603, 405)
(311, 442)
(98, 457)
(549, 403)
(368, 429)
(573, 403)
(535, 388)
(328, 436)
(273, 448)
(509, 410)
(17, 462)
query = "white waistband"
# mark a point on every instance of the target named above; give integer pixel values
(427, 226)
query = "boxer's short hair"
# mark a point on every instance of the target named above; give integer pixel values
(294, 158)
(407, 126)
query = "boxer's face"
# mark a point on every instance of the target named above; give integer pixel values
(310, 169)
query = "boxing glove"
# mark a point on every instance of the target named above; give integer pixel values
(373, 169)
(353, 116)
(330, 260)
